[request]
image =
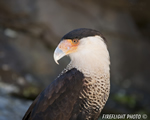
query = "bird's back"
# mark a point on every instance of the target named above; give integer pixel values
(59, 101)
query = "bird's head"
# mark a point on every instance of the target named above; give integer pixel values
(82, 45)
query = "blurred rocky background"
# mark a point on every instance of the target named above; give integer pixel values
(31, 29)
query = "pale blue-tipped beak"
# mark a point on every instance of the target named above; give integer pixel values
(58, 54)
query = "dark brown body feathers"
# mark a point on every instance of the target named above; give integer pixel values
(59, 101)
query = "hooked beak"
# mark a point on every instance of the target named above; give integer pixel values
(58, 54)
(65, 47)
(62, 49)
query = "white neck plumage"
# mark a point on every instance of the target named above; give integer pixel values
(92, 56)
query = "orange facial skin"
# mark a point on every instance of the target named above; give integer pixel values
(69, 46)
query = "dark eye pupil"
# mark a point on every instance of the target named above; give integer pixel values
(75, 41)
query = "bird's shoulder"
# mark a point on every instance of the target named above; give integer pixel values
(58, 99)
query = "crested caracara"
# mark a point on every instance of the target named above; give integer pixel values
(82, 89)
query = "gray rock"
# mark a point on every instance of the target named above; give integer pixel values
(12, 108)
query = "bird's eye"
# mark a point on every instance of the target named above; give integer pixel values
(75, 41)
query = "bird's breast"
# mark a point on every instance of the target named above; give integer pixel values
(94, 94)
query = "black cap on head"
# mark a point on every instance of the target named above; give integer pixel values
(81, 33)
